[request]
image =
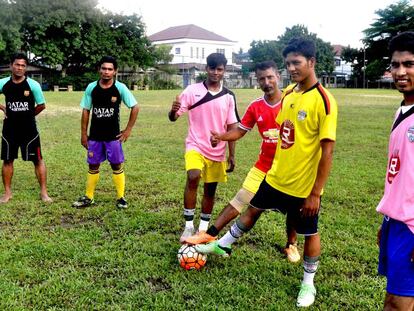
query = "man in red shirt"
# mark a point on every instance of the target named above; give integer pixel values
(263, 112)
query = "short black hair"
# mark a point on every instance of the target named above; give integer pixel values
(216, 59)
(266, 65)
(108, 59)
(402, 42)
(305, 47)
(19, 55)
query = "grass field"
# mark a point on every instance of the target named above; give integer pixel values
(55, 257)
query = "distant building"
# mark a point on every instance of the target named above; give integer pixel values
(190, 46)
(342, 72)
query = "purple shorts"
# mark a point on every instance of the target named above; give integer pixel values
(99, 151)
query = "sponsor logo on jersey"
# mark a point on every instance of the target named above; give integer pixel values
(18, 106)
(393, 166)
(410, 134)
(113, 99)
(259, 119)
(302, 115)
(26, 93)
(103, 112)
(90, 154)
(287, 134)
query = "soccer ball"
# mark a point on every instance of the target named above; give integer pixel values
(190, 259)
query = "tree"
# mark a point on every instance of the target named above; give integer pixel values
(272, 50)
(10, 36)
(392, 20)
(75, 34)
(266, 50)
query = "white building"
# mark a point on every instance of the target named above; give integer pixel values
(192, 44)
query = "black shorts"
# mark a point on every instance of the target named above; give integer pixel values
(29, 147)
(269, 198)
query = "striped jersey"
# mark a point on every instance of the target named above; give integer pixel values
(305, 119)
(398, 199)
(264, 115)
(207, 112)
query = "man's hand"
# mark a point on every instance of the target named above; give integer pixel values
(311, 205)
(214, 139)
(174, 108)
(412, 256)
(3, 108)
(123, 136)
(231, 164)
(84, 141)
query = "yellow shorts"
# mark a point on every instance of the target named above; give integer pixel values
(211, 171)
(253, 179)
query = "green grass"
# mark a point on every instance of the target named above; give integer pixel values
(55, 257)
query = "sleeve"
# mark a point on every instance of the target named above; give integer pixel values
(249, 119)
(185, 100)
(126, 95)
(328, 120)
(86, 102)
(2, 83)
(37, 92)
(232, 115)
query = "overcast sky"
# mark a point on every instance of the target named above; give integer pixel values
(337, 22)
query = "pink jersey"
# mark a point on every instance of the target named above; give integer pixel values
(264, 115)
(398, 199)
(207, 112)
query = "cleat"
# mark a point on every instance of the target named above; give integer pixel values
(213, 248)
(292, 253)
(306, 295)
(83, 201)
(186, 234)
(200, 237)
(121, 203)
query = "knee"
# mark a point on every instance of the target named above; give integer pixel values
(93, 167)
(193, 177)
(116, 167)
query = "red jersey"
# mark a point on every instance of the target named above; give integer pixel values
(264, 115)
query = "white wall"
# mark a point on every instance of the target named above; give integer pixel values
(187, 55)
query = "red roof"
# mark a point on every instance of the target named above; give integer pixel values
(337, 49)
(188, 32)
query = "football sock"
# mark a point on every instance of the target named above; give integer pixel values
(118, 176)
(235, 232)
(205, 219)
(213, 231)
(91, 182)
(310, 265)
(189, 217)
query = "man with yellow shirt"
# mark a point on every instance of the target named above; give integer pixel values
(301, 166)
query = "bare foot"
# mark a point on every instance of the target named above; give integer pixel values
(5, 198)
(46, 198)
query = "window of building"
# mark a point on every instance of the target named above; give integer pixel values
(202, 53)
(221, 51)
(177, 50)
(197, 53)
(337, 62)
(191, 52)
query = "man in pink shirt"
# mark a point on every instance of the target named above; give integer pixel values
(396, 236)
(210, 107)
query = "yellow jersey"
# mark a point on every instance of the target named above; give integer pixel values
(305, 119)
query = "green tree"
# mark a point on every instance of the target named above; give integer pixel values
(392, 20)
(10, 36)
(272, 50)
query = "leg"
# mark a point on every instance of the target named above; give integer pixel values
(190, 200)
(291, 248)
(207, 204)
(40, 171)
(92, 180)
(394, 302)
(7, 174)
(225, 216)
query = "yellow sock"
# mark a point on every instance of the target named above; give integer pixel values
(119, 180)
(91, 182)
